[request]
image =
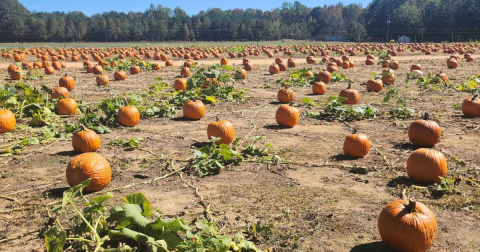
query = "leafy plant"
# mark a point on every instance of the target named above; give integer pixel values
(471, 86)
(337, 111)
(130, 228)
(298, 78)
(336, 77)
(402, 111)
(431, 82)
(309, 102)
(132, 144)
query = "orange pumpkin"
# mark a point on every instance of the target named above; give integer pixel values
(319, 88)
(352, 95)
(7, 121)
(97, 69)
(424, 133)
(128, 116)
(240, 74)
(134, 69)
(90, 165)
(356, 145)
(67, 106)
(120, 75)
(286, 95)
(324, 76)
(224, 61)
(194, 109)
(274, 69)
(180, 84)
(471, 106)
(407, 226)
(185, 72)
(287, 116)
(67, 82)
(221, 129)
(374, 85)
(85, 140)
(102, 79)
(426, 166)
(58, 92)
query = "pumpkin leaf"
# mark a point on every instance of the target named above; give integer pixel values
(74, 192)
(55, 239)
(141, 200)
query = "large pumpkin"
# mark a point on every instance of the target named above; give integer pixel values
(407, 226)
(287, 116)
(426, 166)
(356, 145)
(89, 165)
(67, 82)
(180, 84)
(7, 121)
(374, 85)
(352, 95)
(424, 133)
(194, 109)
(286, 95)
(221, 129)
(67, 106)
(471, 106)
(85, 140)
(128, 115)
(319, 88)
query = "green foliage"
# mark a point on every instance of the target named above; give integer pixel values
(336, 110)
(432, 82)
(471, 86)
(402, 111)
(131, 144)
(336, 77)
(298, 78)
(131, 223)
(309, 102)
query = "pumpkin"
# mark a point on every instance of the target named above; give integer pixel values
(128, 115)
(388, 76)
(442, 76)
(194, 109)
(407, 226)
(85, 140)
(278, 60)
(324, 76)
(374, 85)
(240, 74)
(102, 79)
(134, 70)
(274, 69)
(352, 95)
(89, 165)
(426, 166)
(248, 66)
(286, 95)
(17, 74)
(287, 116)
(185, 72)
(120, 75)
(221, 129)
(180, 84)
(282, 67)
(168, 63)
(416, 67)
(67, 106)
(49, 70)
(97, 69)
(394, 65)
(319, 88)
(424, 133)
(67, 82)
(291, 63)
(58, 92)
(356, 145)
(471, 106)
(452, 63)
(224, 61)
(12, 68)
(369, 62)
(7, 121)
(156, 66)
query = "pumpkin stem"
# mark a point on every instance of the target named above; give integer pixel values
(217, 119)
(125, 101)
(349, 86)
(66, 75)
(412, 206)
(355, 130)
(291, 104)
(474, 97)
(63, 96)
(192, 98)
(426, 117)
(82, 127)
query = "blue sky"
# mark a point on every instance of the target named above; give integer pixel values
(90, 7)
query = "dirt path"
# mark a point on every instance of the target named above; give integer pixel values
(265, 61)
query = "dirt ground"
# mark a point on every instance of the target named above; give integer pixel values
(313, 201)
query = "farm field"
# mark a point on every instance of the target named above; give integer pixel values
(283, 189)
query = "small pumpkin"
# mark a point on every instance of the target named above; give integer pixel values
(168, 63)
(416, 67)
(407, 226)
(374, 85)
(102, 79)
(180, 84)
(426, 166)
(128, 115)
(194, 109)
(452, 63)
(67, 106)
(471, 106)
(287, 115)
(324, 76)
(319, 88)
(388, 76)
(356, 145)
(7, 121)
(442, 76)
(134, 70)
(274, 69)
(67, 82)
(120, 75)
(394, 65)
(221, 129)
(58, 92)
(85, 140)
(352, 95)
(224, 61)
(90, 165)
(240, 74)
(49, 70)
(17, 74)
(286, 95)
(424, 133)
(97, 69)
(185, 72)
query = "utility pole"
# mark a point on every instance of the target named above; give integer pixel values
(388, 23)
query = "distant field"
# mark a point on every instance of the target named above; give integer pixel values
(150, 44)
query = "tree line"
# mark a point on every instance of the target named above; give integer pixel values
(426, 20)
